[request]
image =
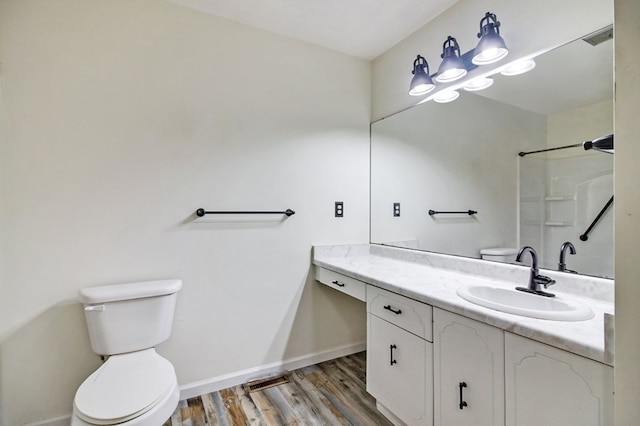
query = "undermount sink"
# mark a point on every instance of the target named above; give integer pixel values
(525, 304)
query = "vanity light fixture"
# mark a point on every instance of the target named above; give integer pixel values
(519, 67)
(491, 47)
(478, 83)
(446, 96)
(421, 83)
(451, 68)
(455, 64)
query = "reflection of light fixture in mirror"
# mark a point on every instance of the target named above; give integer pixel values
(421, 82)
(478, 83)
(446, 96)
(602, 144)
(491, 47)
(519, 67)
(451, 68)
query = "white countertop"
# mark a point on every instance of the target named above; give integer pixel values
(434, 279)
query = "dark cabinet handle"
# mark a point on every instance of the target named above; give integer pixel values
(389, 308)
(463, 403)
(391, 360)
(338, 283)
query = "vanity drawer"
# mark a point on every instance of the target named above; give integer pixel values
(409, 314)
(342, 283)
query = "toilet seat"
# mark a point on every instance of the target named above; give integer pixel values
(125, 387)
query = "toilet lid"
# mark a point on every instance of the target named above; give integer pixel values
(124, 387)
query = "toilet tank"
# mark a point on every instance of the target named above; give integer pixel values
(499, 254)
(129, 317)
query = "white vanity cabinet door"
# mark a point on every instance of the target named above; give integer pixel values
(548, 386)
(399, 371)
(469, 352)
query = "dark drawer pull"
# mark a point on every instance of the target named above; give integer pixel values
(391, 360)
(338, 283)
(389, 308)
(463, 403)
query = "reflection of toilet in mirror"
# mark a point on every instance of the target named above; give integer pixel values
(135, 386)
(499, 254)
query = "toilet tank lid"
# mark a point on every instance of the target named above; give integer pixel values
(499, 251)
(134, 290)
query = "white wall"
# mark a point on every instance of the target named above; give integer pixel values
(527, 26)
(627, 211)
(578, 125)
(452, 157)
(121, 118)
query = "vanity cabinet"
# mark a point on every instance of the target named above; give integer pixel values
(399, 356)
(429, 366)
(548, 386)
(468, 371)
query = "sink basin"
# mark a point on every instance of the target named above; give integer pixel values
(525, 304)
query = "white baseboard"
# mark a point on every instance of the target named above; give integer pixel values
(233, 379)
(213, 384)
(59, 421)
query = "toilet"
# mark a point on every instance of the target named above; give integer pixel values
(499, 254)
(135, 386)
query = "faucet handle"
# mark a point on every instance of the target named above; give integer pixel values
(544, 280)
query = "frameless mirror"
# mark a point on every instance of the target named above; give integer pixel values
(460, 161)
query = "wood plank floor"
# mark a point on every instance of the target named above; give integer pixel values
(329, 393)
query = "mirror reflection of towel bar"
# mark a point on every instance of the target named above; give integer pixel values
(469, 212)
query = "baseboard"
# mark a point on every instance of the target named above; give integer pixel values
(233, 379)
(213, 384)
(59, 421)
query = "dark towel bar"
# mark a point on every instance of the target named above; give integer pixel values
(469, 212)
(202, 212)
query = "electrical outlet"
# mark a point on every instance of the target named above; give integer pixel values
(396, 209)
(339, 209)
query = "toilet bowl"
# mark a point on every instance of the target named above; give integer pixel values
(139, 388)
(135, 386)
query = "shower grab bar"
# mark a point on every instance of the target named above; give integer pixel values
(469, 212)
(202, 212)
(585, 236)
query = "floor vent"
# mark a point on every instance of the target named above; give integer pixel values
(267, 382)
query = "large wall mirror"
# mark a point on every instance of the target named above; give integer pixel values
(463, 156)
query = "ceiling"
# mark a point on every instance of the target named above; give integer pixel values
(362, 28)
(568, 77)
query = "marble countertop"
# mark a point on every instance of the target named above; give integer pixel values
(434, 279)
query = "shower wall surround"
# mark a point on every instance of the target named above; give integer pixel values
(561, 200)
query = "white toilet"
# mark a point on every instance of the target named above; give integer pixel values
(135, 386)
(499, 254)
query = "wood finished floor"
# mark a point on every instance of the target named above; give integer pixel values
(329, 393)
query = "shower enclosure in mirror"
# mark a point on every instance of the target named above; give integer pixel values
(464, 156)
(566, 197)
